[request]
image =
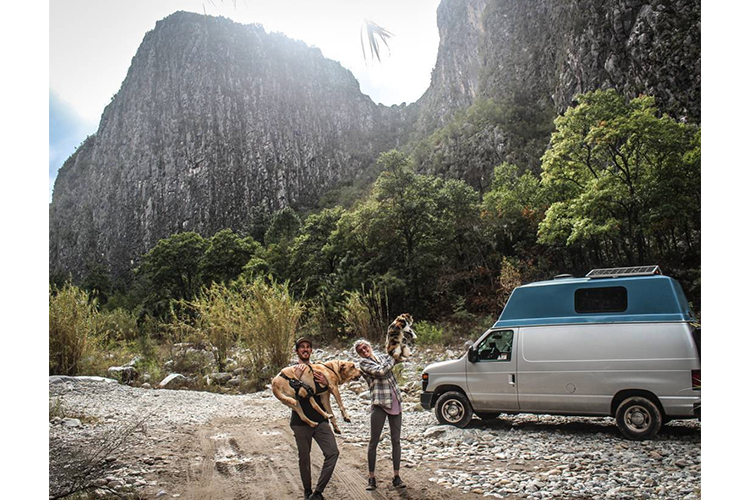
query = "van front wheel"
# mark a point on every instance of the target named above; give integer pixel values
(638, 418)
(453, 408)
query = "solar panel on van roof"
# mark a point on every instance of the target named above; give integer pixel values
(615, 272)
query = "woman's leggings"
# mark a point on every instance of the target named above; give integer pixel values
(377, 421)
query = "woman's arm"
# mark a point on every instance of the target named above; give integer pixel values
(375, 369)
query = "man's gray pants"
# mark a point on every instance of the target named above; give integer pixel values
(304, 434)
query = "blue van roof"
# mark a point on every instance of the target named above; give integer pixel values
(649, 298)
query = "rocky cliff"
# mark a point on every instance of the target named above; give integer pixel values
(216, 119)
(530, 59)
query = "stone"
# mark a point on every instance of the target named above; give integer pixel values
(432, 432)
(220, 378)
(71, 422)
(173, 381)
(125, 374)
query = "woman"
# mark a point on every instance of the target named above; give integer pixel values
(386, 403)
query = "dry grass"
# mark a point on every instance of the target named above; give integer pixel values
(73, 329)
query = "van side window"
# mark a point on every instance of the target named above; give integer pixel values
(601, 300)
(497, 346)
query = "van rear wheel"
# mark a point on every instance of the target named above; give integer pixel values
(638, 418)
(453, 408)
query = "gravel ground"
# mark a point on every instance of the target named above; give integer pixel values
(522, 456)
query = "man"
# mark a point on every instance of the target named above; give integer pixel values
(304, 434)
(385, 399)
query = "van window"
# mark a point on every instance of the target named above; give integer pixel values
(601, 300)
(496, 346)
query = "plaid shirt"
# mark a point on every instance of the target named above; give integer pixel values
(379, 375)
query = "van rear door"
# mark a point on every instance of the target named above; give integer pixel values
(491, 376)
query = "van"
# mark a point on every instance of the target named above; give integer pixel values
(620, 342)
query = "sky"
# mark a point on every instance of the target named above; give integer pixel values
(91, 44)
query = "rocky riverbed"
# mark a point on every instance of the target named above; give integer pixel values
(523, 456)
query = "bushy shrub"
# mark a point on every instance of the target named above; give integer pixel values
(73, 329)
(428, 334)
(118, 325)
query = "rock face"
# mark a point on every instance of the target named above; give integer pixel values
(216, 120)
(551, 50)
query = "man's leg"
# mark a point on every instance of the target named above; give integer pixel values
(303, 435)
(324, 437)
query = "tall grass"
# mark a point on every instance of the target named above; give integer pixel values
(217, 316)
(273, 320)
(365, 313)
(73, 329)
(261, 312)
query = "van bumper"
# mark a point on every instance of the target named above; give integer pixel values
(426, 400)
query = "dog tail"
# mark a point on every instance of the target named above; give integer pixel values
(283, 397)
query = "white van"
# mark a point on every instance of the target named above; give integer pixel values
(620, 342)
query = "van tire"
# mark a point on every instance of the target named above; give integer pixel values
(638, 418)
(453, 408)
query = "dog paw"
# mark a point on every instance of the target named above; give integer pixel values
(347, 420)
(337, 430)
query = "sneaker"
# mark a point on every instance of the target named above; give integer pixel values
(371, 484)
(317, 496)
(398, 483)
(308, 494)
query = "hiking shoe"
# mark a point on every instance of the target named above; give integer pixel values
(308, 494)
(371, 484)
(317, 496)
(398, 483)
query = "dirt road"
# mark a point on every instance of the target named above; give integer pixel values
(248, 461)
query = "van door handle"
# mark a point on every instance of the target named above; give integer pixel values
(511, 379)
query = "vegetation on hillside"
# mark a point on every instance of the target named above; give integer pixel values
(618, 185)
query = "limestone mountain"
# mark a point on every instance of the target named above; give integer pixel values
(213, 119)
(217, 120)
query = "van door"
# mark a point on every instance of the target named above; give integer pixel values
(491, 377)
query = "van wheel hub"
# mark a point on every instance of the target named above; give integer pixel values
(453, 410)
(637, 418)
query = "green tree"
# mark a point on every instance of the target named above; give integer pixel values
(171, 271)
(225, 256)
(514, 207)
(284, 226)
(615, 170)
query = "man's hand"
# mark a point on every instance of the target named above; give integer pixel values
(320, 379)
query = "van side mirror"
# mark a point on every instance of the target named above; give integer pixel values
(468, 344)
(472, 355)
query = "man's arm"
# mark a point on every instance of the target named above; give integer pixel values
(375, 369)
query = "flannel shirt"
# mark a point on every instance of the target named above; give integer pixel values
(380, 378)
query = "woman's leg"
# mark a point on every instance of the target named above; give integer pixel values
(377, 420)
(394, 422)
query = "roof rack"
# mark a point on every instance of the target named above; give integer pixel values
(619, 272)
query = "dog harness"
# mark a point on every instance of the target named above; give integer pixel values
(297, 384)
